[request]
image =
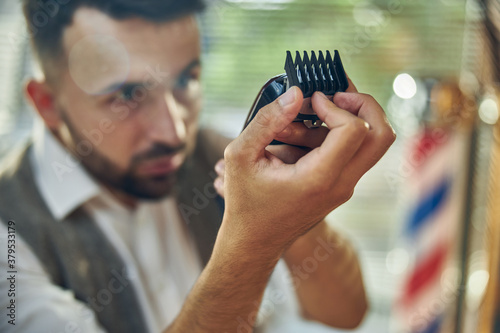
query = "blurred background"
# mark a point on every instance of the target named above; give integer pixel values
(425, 219)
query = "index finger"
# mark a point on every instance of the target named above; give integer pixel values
(346, 134)
(365, 107)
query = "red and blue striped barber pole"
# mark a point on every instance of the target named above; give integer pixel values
(434, 184)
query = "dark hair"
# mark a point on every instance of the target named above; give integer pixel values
(46, 19)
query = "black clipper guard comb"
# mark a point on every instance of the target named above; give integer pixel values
(309, 74)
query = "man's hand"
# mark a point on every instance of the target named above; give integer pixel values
(338, 275)
(275, 195)
(298, 140)
(270, 201)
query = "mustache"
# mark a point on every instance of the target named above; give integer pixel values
(158, 150)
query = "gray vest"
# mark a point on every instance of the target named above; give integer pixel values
(75, 253)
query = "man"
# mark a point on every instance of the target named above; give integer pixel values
(112, 204)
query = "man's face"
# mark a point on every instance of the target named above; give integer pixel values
(129, 99)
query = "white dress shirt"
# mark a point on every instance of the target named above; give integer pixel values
(160, 258)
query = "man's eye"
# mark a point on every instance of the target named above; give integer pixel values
(184, 81)
(126, 94)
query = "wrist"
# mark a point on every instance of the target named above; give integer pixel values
(239, 240)
(319, 239)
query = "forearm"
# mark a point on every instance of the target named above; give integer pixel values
(283, 199)
(328, 278)
(227, 296)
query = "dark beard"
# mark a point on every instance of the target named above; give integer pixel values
(110, 175)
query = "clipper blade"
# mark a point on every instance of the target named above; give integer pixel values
(316, 73)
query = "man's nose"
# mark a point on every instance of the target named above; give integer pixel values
(166, 124)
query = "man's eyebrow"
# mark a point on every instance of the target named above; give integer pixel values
(132, 84)
(120, 86)
(189, 67)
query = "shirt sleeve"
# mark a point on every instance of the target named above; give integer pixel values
(30, 302)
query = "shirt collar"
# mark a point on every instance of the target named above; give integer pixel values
(63, 182)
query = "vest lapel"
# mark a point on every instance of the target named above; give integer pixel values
(200, 206)
(77, 255)
(198, 203)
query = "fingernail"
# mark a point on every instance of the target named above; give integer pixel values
(287, 98)
(218, 183)
(321, 95)
(285, 133)
(219, 167)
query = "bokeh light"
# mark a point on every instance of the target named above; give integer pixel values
(488, 111)
(404, 86)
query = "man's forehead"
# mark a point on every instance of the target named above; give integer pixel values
(101, 50)
(90, 21)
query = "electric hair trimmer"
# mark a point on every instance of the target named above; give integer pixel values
(309, 74)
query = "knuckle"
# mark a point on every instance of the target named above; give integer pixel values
(316, 134)
(272, 116)
(346, 194)
(263, 117)
(387, 136)
(230, 152)
(369, 98)
(276, 106)
(366, 97)
(318, 186)
(323, 186)
(326, 185)
(390, 137)
(357, 127)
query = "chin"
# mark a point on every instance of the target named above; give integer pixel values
(151, 189)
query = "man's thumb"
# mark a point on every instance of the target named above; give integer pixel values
(271, 120)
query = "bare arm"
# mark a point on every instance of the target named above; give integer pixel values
(228, 293)
(270, 204)
(323, 263)
(327, 277)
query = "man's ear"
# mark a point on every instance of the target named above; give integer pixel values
(42, 99)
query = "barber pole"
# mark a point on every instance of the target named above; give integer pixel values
(431, 233)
